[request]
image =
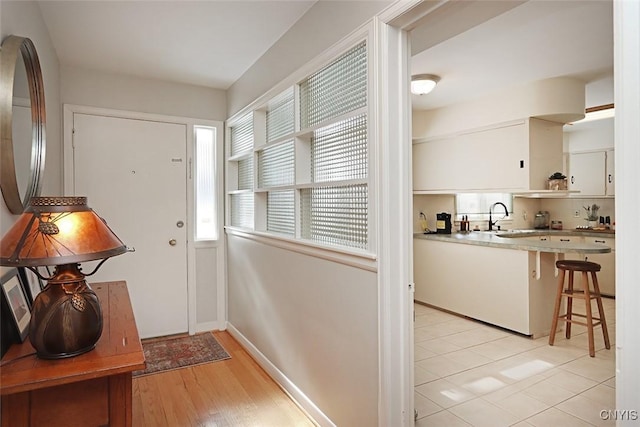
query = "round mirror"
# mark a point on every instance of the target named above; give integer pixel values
(22, 123)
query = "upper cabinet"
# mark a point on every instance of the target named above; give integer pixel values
(592, 173)
(591, 166)
(513, 156)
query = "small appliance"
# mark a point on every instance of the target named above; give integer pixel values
(541, 220)
(443, 223)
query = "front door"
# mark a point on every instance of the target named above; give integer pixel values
(133, 173)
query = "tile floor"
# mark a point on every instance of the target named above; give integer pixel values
(468, 373)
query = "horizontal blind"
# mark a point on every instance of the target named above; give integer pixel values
(280, 116)
(338, 88)
(336, 215)
(281, 212)
(339, 151)
(276, 165)
(242, 135)
(242, 210)
(245, 174)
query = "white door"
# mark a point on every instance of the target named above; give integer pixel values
(134, 175)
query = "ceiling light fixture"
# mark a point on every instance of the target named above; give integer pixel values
(421, 84)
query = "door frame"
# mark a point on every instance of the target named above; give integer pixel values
(68, 188)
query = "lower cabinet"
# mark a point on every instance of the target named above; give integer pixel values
(607, 273)
(494, 285)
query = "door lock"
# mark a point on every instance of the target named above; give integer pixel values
(172, 242)
(179, 224)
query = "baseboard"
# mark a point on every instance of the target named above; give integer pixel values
(285, 383)
(210, 326)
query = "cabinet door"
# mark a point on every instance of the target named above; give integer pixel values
(587, 173)
(607, 273)
(490, 159)
(611, 173)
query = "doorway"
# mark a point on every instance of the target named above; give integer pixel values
(134, 173)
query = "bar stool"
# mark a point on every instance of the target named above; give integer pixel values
(584, 267)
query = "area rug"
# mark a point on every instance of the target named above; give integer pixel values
(174, 353)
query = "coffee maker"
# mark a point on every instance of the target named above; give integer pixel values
(443, 223)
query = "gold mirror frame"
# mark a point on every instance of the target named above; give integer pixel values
(11, 46)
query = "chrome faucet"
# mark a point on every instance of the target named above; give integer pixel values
(506, 213)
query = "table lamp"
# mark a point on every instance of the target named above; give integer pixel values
(66, 317)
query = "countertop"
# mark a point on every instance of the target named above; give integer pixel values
(514, 239)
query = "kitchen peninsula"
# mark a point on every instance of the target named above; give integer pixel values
(507, 279)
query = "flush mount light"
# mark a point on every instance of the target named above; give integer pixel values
(421, 84)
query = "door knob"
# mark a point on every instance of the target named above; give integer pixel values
(172, 242)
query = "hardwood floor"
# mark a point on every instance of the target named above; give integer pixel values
(234, 393)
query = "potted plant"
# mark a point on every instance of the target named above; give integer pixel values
(557, 181)
(592, 215)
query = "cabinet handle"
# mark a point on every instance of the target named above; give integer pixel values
(609, 178)
(573, 180)
(600, 241)
(565, 240)
(542, 239)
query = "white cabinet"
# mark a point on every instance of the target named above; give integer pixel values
(511, 156)
(493, 285)
(611, 173)
(607, 273)
(592, 173)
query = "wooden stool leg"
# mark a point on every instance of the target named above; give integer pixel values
(556, 310)
(603, 322)
(567, 332)
(587, 296)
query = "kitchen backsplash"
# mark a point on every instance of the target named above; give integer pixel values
(560, 209)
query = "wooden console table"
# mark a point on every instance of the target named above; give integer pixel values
(92, 389)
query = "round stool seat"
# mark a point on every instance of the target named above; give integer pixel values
(576, 265)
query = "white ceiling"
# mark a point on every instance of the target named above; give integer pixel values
(533, 41)
(208, 43)
(212, 43)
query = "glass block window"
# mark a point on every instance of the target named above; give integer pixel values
(276, 165)
(245, 174)
(339, 151)
(281, 212)
(336, 215)
(242, 135)
(337, 89)
(280, 116)
(242, 210)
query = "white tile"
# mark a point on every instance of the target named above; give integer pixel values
(511, 389)
(521, 405)
(444, 393)
(480, 380)
(585, 409)
(555, 417)
(422, 376)
(441, 365)
(420, 352)
(598, 370)
(439, 346)
(480, 413)
(496, 350)
(441, 419)
(548, 392)
(475, 337)
(570, 381)
(603, 395)
(424, 406)
(468, 358)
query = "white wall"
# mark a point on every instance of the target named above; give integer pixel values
(324, 24)
(120, 92)
(315, 320)
(23, 18)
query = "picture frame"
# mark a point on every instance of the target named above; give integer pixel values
(32, 283)
(14, 295)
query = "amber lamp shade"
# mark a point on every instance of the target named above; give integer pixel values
(66, 318)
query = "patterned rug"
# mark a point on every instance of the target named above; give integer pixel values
(174, 353)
